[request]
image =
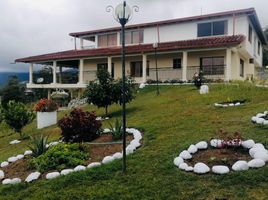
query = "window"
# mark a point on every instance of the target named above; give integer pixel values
(133, 37)
(107, 40)
(177, 63)
(112, 72)
(249, 33)
(148, 68)
(259, 47)
(136, 69)
(212, 28)
(102, 66)
(212, 65)
(241, 68)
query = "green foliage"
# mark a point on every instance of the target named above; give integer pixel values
(17, 116)
(129, 91)
(116, 130)
(1, 114)
(59, 157)
(12, 91)
(38, 145)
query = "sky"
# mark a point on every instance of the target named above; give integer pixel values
(33, 27)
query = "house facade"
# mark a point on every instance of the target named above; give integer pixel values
(226, 45)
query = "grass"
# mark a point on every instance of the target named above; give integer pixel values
(171, 122)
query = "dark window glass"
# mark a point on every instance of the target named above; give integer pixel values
(219, 28)
(204, 29)
(241, 68)
(148, 68)
(177, 63)
(136, 69)
(249, 34)
(212, 65)
(112, 72)
(102, 66)
(259, 47)
(133, 37)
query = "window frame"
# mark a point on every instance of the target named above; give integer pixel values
(213, 66)
(178, 64)
(250, 33)
(131, 32)
(242, 68)
(106, 35)
(131, 70)
(225, 23)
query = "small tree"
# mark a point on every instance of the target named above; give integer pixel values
(17, 116)
(129, 91)
(101, 93)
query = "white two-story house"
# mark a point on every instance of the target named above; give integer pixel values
(226, 45)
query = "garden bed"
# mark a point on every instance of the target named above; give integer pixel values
(230, 103)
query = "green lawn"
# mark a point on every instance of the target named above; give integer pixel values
(171, 122)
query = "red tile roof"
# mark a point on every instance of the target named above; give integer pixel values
(209, 42)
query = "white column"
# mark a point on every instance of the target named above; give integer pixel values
(31, 73)
(81, 43)
(109, 61)
(81, 71)
(228, 64)
(184, 65)
(144, 66)
(96, 41)
(54, 72)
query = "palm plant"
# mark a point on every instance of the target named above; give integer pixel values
(39, 145)
(116, 130)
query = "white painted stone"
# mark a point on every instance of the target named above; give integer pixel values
(260, 121)
(237, 104)
(192, 149)
(14, 142)
(79, 168)
(261, 155)
(4, 164)
(183, 166)
(204, 89)
(215, 143)
(220, 169)
(256, 163)
(177, 161)
(130, 149)
(94, 164)
(28, 152)
(259, 115)
(52, 175)
(2, 174)
(12, 159)
(248, 144)
(253, 150)
(142, 85)
(265, 122)
(66, 171)
(33, 176)
(258, 145)
(254, 119)
(265, 112)
(15, 181)
(231, 104)
(106, 130)
(185, 155)
(20, 156)
(107, 159)
(6, 181)
(202, 145)
(118, 155)
(240, 165)
(201, 168)
(189, 169)
(135, 143)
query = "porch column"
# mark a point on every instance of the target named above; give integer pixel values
(184, 65)
(81, 43)
(31, 73)
(109, 61)
(81, 71)
(228, 64)
(49, 94)
(54, 72)
(144, 66)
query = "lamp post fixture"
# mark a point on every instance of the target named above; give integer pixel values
(155, 46)
(122, 14)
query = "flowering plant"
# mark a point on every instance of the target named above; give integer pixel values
(45, 105)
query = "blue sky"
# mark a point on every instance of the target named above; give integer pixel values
(32, 27)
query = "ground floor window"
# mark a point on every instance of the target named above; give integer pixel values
(136, 69)
(177, 63)
(212, 65)
(102, 66)
(241, 68)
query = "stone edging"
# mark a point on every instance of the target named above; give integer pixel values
(258, 119)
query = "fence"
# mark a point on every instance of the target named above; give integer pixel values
(164, 73)
(215, 72)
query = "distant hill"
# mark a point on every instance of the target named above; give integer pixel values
(22, 76)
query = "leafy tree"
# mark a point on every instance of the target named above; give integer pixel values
(101, 93)
(129, 91)
(17, 116)
(12, 91)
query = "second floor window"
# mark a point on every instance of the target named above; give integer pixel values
(107, 40)
(249, 33)
(259, 47)
(133, 37)
(212, 28)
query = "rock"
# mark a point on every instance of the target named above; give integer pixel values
(106, 130)
(192, 149)
(15, 181)
(237, 104)
(265, 122)
(256, 163)
(215, 143)
(137, 135)
(202, 145)
(107, 159)
(258, 145)
(201, 168)
(2, 174)
(265, 112)
(183, 166)
(94, 164)
(130, 149)
(12, 159)
(66, 171)
(204, 89)
(33, 176)
(142, 85)
(220, 169)
(177, 161)
(231, 104)
(185, 155)
(189, 169)
(14, 142)
(240, 165)
(4, 164)
(135, 143)
(260, 121)
(52, 175)
(260, 115)
(20, 156)
(248, 144)
(28, 152)
(217, 105)
(254, 119)
(6, 181)
(118, 155)
(79, 168)
(261, 155)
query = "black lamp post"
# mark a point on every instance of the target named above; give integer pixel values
(122, 14)
(155, 45)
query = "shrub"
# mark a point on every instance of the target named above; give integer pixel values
(79, 126)
(38, 146)
(1, 114)
(59, 157)
(17, 116)
(116, 130)
(129, 91)
(45, 105)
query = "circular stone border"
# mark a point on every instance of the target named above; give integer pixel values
(259, 118)
(225, 105)
(131, 148)
(257, 152)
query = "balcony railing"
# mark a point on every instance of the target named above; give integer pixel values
(215, 72)
(164, 73)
